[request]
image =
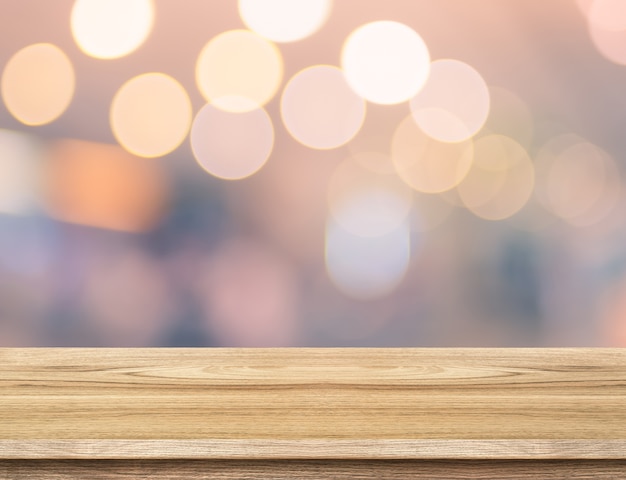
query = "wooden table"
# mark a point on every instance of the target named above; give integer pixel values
(312, 413)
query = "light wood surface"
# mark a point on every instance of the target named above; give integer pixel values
(312, 470)
(313, 403)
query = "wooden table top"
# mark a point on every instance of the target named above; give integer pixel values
(313, 403)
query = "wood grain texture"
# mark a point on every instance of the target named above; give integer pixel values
(310, 449)
(313, 403)
(310, 470)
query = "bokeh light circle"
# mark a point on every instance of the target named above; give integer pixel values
(238, 71)
(609, 15)
(454, 103)
(38, 84)
(584, 6)
(582, 184)
(610, 44)
(231, 145)
(111, 28)
(501, 179)
(319, 109)
(427, 165)
(545, 158)
(366, 203)
(151, 115)
(366, 267)
(284, 20)
(385, 62)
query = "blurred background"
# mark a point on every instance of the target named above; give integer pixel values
(312, 173)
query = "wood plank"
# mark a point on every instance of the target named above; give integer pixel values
(313, 449)
(346, 403)
(289, 470)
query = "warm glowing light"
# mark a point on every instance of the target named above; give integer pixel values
(319, 109)
(611, 44)
(365, 203)
(385, 62)
(103, 186)
(584, 6)
(606, 20)
(231, 145)
(20, 157)
(111, 28)
(284, 20)
(501, 179)
(608, 15)
(38, 84)
(509, 115)
(239, 71)
(454, 103)
(583, 184)
(249, 294)
(425, 164)
(366, 267)
(151, 115)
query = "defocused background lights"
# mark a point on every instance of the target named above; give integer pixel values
(284, 20)
(123, 286)
(238, 71)
(231, 145)
(377, 162)
(454, 103)
(582, 184)
(501, 179)
(429, 212)
(387, 199)
(509, 115)
(585, 6)
(576, 180)
(151, 115)
(608, 15)
(20, 164)
(367, 267)
(250, 295)
(111, 28)
(38, 84)
(610, 44)
(319, 109)
(103, 186)
(426, 164)
(613, 313)
(385, 62)
(365, 203)
(606, 23)
(544, 159)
